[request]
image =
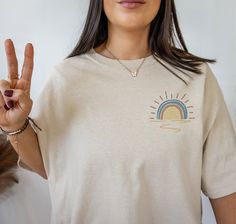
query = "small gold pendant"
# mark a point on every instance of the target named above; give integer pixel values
(134, 73)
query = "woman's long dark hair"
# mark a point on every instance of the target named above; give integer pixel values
(8, 164)
(165, 38)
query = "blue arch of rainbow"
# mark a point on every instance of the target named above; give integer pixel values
(172, 102)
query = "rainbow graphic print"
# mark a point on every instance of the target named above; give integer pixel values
(171, 111)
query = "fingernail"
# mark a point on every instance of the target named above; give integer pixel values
(6, 107)
(8, 93)
(10, 104)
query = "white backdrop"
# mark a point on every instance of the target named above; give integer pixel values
(54, 27)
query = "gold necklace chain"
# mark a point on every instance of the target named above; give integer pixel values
(133, 73)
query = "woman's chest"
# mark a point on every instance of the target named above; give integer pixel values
(149, 120)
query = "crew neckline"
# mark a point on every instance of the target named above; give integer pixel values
(103, 59)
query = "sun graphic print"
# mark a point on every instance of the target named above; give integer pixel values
(170, 110)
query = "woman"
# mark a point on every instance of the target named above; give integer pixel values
(131, 127)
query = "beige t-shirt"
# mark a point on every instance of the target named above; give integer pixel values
(133, 150)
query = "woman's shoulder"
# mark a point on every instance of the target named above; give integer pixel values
(208, 73)
(204, 67)
(78, 62)
(71, 66)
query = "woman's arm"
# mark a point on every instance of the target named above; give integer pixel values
(225, 209)
(29, 151)
(16, 105)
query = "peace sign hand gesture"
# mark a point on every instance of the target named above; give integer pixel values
(15, 102)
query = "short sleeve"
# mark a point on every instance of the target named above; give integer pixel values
(46, 114)
(219, 149)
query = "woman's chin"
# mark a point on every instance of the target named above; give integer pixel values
(131, 26)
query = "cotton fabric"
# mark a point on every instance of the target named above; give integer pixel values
(133, 150)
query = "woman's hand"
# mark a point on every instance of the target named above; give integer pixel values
(15, 102)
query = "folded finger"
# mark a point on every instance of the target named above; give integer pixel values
(4, 85)
(19, 96)
(2, 102)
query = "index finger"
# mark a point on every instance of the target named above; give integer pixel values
(28, 64)
(11, 59)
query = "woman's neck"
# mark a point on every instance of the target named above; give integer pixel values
(125, 44)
